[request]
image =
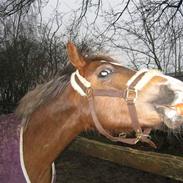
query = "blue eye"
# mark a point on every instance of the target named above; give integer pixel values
(104, 73)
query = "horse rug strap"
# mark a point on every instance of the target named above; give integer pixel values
(130, 95)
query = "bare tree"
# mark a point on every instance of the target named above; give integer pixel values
(149, 33)
(146, 33)
(33, 51)
(10, 7)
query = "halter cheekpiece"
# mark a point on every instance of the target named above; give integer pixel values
(130, 94)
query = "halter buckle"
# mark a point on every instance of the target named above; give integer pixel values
(131, 95)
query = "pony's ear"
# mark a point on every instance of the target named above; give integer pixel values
(74, 57)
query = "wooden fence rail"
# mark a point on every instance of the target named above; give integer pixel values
(162, 164)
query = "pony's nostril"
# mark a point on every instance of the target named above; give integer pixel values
(170, 117)
(166, 96)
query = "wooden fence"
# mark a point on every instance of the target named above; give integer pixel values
(162, 164)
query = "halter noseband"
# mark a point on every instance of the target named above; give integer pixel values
(83, 87)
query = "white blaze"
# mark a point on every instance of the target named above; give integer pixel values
(176, 86)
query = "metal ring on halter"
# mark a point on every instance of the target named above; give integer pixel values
(123, 135)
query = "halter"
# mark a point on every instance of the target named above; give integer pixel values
(130, 94)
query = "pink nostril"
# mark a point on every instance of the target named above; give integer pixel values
(179, 108)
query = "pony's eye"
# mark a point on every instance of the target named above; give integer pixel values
(104, 73)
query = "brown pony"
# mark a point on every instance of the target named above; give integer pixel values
(100, 95)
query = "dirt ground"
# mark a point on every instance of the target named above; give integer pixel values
(74, 167)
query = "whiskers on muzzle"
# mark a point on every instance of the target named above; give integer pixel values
(170, 132)
(169, 140)
(170, 116)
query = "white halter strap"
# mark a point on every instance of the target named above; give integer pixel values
(149, 74)
(75, 85)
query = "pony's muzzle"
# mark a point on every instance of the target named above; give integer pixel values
(171, 118)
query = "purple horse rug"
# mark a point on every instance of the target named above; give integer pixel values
(12, 168)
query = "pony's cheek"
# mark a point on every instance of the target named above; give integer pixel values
(112, 110)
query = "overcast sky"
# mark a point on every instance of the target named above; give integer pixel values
(69, 6)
